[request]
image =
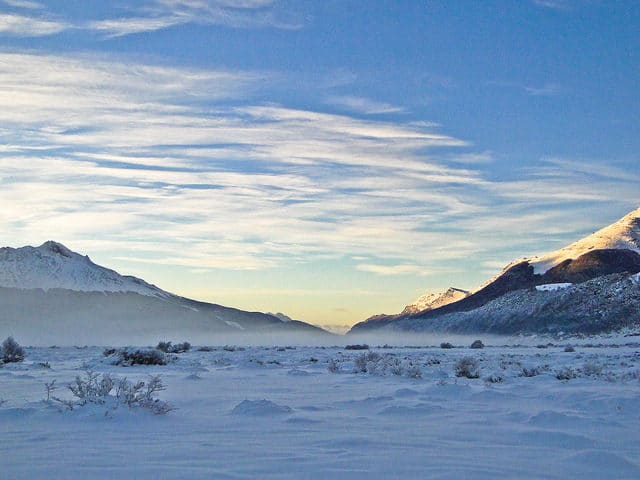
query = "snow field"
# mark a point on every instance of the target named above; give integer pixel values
(247, 413)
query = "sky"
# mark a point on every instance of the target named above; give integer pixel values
(327, 159)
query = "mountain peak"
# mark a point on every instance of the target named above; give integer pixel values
(621, 235)
(53, 265)
(430, 301)
(56, 247)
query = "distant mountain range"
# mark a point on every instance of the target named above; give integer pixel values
(50, 292)
(590, 286)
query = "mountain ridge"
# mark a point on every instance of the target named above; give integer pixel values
(52, 289)
(53, 265)
(614, 249)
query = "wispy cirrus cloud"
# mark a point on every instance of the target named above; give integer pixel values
(25, 26)
(150, 16)
(363, 105)
(154, 15)
(402, 269)
(85, 137)
(546, 90)
(553, 4)
(30, 5)
(180, 167)
(119, 27)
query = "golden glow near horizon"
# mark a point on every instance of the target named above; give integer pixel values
(292, 162)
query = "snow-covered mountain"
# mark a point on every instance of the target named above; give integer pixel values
(53, 294)
(52, 265)
(621, 235)
(429, 301)
(611, 251)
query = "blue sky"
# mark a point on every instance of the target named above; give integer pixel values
(329, 159)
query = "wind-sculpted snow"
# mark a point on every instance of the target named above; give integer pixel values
(241, 413)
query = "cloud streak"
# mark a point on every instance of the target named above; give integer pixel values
(153, 15)
(25, 26)
(179, 167)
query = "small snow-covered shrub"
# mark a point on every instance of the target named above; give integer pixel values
(127, 357)
(494, 378)
(11, 351)
(569, 349)
(375, 364)
(366, 362)
(592, 369)
(565, 373)
(477, 344)
(530, 371)
(446, 345)
(363, 346)
(206, 349)
(333, 366)
(105, 389)
(49, 388)
(168, 347)
(413, 371)
(467, 367)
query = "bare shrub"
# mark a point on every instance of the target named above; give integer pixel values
(128, 357)
(565, 373)
(388, 364)
(530, 371)
(11, 351)
(467, 367)
(168, 347)
(50, 387)
(101, 389)
(333, 366)
(366, 362)
(413, 371)
(494, 378)
(592, 369)
(363, 346)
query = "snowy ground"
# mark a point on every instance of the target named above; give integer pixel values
(260, 413)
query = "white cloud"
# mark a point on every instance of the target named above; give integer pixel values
(23, 26)
(402, 269)
(126, 26)
(546, 90)
(553, 4)
(363, 105)
(159, 14)
(24, 4)
(153, 15)
(109, 156)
